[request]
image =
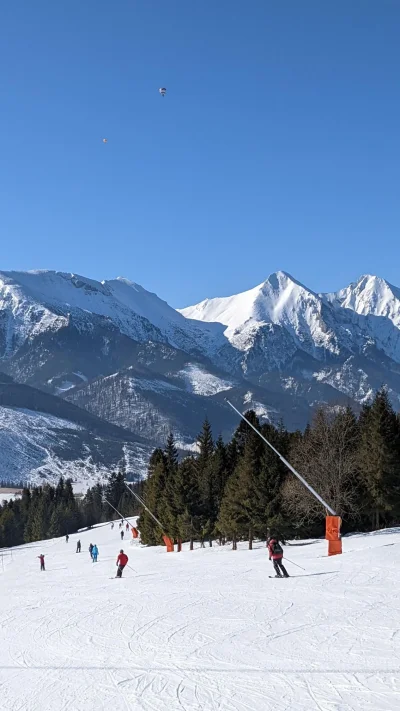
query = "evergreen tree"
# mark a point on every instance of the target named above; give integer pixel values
(187, 501)
(153, 492)
(9, 530)
(379, 460)
(168, 500)
(57, 523)
(206, 483)
(114, 492)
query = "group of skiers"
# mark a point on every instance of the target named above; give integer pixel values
(93, 552)
(275, 552)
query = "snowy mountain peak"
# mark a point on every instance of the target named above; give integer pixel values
(280, 300)
(41, 301)
(370, 295)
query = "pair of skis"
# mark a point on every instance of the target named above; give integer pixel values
(279, 576)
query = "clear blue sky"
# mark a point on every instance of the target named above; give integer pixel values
(276, 147)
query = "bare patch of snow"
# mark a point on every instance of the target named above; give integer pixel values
(201, 382)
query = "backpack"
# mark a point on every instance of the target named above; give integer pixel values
(277, 548)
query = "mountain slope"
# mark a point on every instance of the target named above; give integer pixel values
(42, 436)
(40, 301)
(120, 352)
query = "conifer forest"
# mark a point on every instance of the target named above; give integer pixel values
(239, 490)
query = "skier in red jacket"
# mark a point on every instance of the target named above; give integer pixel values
(121, 563)
(275, 551)
(41, 558)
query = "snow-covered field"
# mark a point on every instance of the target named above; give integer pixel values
(201, 631)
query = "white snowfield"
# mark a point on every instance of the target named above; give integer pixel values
(201, 631)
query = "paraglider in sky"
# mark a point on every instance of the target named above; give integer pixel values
(105, 140)
(162, 91)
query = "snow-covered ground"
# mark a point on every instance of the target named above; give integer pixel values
(201, 631)
(198, 380)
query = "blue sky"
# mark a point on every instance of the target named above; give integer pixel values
(276, 147)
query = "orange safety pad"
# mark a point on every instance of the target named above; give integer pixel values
(332, 528)
(334, 547)
(169, 543)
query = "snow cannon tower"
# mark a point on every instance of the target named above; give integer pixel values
(333, 521)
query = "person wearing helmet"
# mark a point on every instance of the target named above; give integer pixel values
(275, 551)
(122, 560)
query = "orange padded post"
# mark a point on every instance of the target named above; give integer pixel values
(334, 547)
(135, 532)
(332, 535)
(169, 543)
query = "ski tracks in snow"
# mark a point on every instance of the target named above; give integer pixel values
(202, 631)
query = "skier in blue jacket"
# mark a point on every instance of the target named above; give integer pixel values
(95, 553)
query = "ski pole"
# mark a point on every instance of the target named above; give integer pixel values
(290, 561)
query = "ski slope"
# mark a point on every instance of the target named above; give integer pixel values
(200, 631)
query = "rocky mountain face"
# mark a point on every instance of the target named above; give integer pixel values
(121, 353)
(43, 437)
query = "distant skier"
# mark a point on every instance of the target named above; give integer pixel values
(78, 547)
(127, 526)
(122, 535)
(120, 525)
(121, 563)
(67, 538)
(275, 551)
(95, 553)
(91, 550)
(41, 558)
(112, 525)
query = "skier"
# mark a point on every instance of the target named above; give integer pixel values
(121, 563)
(41, 558)
(78, 547)
(95, 553)
(275, 551)
(91, 550)
(67, 538)
(112, 525)
(120, 526)
(127, 526)
(122, 535)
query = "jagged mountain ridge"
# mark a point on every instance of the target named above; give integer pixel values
(122, 353)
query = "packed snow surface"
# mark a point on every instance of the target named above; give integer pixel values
(200, 631)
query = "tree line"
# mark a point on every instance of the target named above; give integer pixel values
(51, 511)
(241, 490)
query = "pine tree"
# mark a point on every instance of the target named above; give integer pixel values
(154, 488)
(229, 522)
(57, 523)
(379, 458)
(205, 483)
(169, 500)
(9, 532)
(220, 470)
(114, 492)
(187, 501)
(268, 485)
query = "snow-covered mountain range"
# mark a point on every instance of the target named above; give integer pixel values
(125, 355)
